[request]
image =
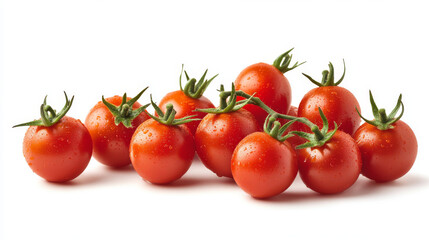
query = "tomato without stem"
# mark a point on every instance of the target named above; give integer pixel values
(60, 152)
(267, 83)
(160, 153)
(263, 166)
(185, 106)
(333, 167)
(386, 154)
(218, 135)
(111, 141)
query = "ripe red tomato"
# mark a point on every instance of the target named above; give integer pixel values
(111, 141)
(337, 103)
(386, 154)
(161, 153)
(333, 167)
(60, 152)
(268, 84)
(263, 166)
(218, 135)
(185, 106)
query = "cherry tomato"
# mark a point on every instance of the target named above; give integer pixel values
(111, 141)
(185, 106)
(386, 154)
(218, 135)
(263, 166)
(333, 167)
(337, 103)
(161, 153)
(60, 152)
(269, 84)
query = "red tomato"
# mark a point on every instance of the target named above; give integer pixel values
(58, 153)
(218, 135)
(267, 83)
(337, 103)
(263, 166)
(160, 153)
(185, 106)
(386, 154)
(111, 141)
(331, 168)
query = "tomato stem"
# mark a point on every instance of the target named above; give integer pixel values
(48, 115)
(124, 113)
(328, 77)
(168, 118)
(381, 120)
(193, 88)
(283, 61)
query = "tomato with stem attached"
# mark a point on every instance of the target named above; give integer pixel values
(268, 83)
(337, 103)
(220, 131)
(388, 145)
(162, 148)
(56, 147)
(264, 164)
(330, 162)
(189, 98)
(111, 123)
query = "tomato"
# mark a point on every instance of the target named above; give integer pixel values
(58, 153)
(111, 141)
(388, 145)
(269, 84)
(263, 166)
(56, 147)
(188, 99)
(218, 135)
(160, 153)
(338, 104)
(386, 154)
(185, 106)
(333, 167)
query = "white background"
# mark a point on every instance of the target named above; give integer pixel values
(90, 48)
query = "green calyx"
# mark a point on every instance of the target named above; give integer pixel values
(328, 77)
(167, 118)
(381, 120)
(274, 128)
(283, 61)
(48, 115)
(125, 113)
(193, 88)
(228, 102)
(319, 137)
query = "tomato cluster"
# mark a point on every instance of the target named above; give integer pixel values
(254, 136)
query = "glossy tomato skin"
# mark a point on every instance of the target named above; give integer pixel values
(185, 106)
(218, 135)
(263, 166)
(111, 142)
(337, 103)
(332, 168)
(269, 84)
(161, 154)
(386, 154)
(58, 153)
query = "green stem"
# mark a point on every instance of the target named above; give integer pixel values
(319, 135)
(383, 115)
